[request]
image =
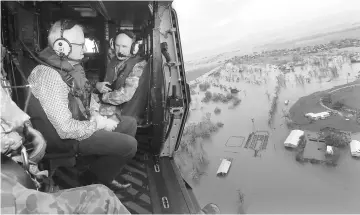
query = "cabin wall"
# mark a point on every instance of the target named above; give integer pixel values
(97, 62)
(18, 23)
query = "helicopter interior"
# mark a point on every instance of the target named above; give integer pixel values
(24, 32)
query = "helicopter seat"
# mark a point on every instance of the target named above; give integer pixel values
(59, 152)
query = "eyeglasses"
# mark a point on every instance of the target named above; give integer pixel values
(79, 44)
(120, 45)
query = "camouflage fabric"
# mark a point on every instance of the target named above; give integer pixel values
(125, 85)
(92, 199)
(12, 117)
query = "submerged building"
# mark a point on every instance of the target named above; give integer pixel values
(317, 116)
(293, 140)
(355, 148)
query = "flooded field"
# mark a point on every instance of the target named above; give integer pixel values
(270, 181)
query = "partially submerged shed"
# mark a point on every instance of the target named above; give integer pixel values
(293, 139)
(329, 150)
(355, 148)
(224, 167)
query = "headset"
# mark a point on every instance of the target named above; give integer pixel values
(62, 46)
(129, 34)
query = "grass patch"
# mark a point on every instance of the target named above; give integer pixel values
(208, 97)
(204, 86)
(194, 85)
(287, 120)
(241, 196)
(217, 110)
(191, 157)
(192, 92)
(220, 124)
(273, 105)
(235, 102)
(219, 97)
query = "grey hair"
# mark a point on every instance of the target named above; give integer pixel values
(55, 32)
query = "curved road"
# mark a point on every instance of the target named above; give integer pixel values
(354, 135)
(326, 107)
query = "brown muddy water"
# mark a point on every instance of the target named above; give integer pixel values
(273, 182)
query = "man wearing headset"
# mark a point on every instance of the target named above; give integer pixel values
(66, 97)
(127, 76)
(16, 198)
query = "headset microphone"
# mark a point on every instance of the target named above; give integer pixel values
(129, 34)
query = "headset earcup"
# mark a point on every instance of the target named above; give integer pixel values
(136, 48)
(133, 46)
(112, 43)
(62, 47)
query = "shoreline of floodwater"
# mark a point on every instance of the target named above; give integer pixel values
(309, 103)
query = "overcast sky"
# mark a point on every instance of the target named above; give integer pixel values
(205, 23)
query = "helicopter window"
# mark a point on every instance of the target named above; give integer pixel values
(92, 46)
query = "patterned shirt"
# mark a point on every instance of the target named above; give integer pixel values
(52, 93)
(124, 94)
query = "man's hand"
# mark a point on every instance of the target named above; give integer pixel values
(38, 141)
(102, 88)
(35, 136)
(104, 123)
(100, 121)
(111, 125)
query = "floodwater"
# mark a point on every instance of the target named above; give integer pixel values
(273, 182)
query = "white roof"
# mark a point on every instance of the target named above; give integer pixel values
(318, 114)
(355, 146)
(224, 167)
(294, 137)
(329, 149)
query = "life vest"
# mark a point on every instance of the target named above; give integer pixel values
(80, 88)
(138, 103)
(123, 71)
(77, 107)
